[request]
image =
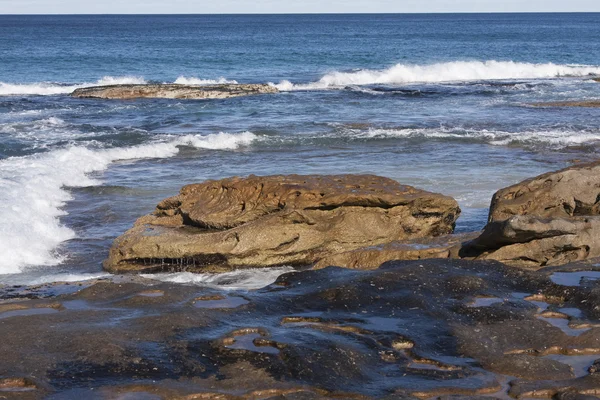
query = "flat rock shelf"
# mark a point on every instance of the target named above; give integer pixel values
(173, 91)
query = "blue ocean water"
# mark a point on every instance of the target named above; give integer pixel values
(440, 102)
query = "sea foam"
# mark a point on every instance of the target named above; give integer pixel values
(32, 192)
(49, 88)
(53, 88)
(457, 71)
(197, 81)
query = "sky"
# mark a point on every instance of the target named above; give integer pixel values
(289, 6)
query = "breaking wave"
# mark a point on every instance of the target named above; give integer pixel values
(461, 71)
(33, 192)
(52, 88)
(49, 88)
(196, 81)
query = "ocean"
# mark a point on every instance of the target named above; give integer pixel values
(441, 102)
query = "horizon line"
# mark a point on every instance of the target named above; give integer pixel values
(308, 13)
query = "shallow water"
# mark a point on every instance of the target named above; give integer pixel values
(438, 102)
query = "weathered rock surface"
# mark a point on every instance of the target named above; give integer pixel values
(173, 91)
(552, 219)
(368, 258)
(573, 191)
(413, 329)
(277, 220)
(576, 103)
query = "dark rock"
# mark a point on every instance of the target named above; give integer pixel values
(411, 328)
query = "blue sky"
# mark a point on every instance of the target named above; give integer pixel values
(289, 6)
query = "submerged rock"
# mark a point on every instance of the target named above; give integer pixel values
(277, 220)
(552, 219)
(173, 91)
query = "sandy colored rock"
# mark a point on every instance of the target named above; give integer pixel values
(173, 91)
(533, 242)
(549, 220)
(577, 103)
(370, 258)
(573, 191)
(278, 220)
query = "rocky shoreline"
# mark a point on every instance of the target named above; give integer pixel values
(393, 306)
(173, 91)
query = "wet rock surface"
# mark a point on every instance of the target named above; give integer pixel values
(410, 329)
(173, 91)
(278, 220)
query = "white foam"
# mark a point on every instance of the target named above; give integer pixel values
(182, 80)
(65, 277)
(49, 88)
(244, 279)
(554, 138)
(461, 71)
(32, 192)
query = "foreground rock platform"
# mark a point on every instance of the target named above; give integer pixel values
(278, 220)
(173, 91)
(408, 330)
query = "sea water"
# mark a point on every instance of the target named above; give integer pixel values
(441, 102)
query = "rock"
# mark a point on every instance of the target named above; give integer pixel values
(173, 91)
(534, 242)
(408, 329)
(596, 79)
(573, 191)
(578, 103)
(278, 220)
(368, 258)
(549, 220)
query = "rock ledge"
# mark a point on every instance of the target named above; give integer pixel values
(278, 220)
(173, 91)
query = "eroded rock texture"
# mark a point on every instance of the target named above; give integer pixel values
(549, 220)
(278, 220)
(173, 91)
(573, 191)
(413, 329)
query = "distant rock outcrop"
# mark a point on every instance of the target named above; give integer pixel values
(173, 91)
(574, 103)
(278, 220)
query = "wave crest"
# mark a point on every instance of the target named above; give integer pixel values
(182, 80)
(49, 88)
(33, 192)
(462, 71)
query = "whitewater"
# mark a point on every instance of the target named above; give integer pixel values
(33, 188)
(458, 71)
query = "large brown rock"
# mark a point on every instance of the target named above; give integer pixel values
(173, 91)
(278, 220)
(534, 242)
(549, 220)
(573, 191)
